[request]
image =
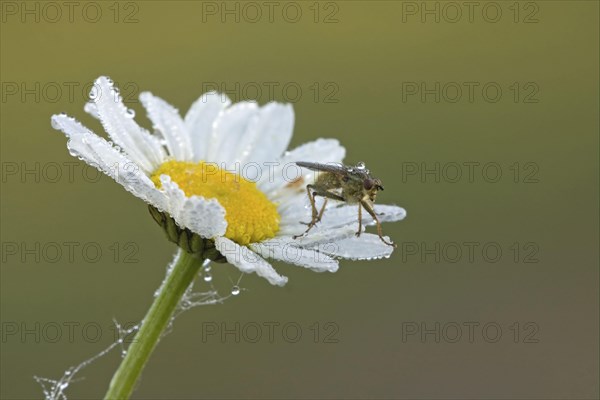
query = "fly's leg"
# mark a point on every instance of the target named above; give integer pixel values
(322, 211)
(371, 212)
(313, 206)
(359, 220)
(316, 217)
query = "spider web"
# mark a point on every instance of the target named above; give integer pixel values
(55, 389)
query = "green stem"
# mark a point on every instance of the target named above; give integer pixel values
(156, 320)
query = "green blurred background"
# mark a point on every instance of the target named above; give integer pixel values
(355, 63)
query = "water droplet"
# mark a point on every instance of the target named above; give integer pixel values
(207, 277)
(123, 353)
(94, 92)
(68, 372)
(235, 290)
(360, 165)
(130, 113)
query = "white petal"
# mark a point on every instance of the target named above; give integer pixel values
(206, 217)
(167, 121)
(91, 108)
(365, 247)
(247, 261)
(200, 118)
(287, 252)
(317, 235)
(287, 172)
(320, 150)
(344, 215)
(296, 206)
(100, 154)
(229, 129)
(139, 144)
(270, 136)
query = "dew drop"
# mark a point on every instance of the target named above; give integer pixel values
(123, 353)
(207, 277)
(94, 92)
(235, 290)
(360, 165)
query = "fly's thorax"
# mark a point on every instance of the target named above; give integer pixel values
(328, 181)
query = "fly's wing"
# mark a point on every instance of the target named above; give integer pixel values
(337, 169)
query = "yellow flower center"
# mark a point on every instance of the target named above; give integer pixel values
(251, 216)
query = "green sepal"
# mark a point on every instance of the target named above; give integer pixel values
(187, 240)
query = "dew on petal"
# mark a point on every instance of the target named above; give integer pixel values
(94, 92)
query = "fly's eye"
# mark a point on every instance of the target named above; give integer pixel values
(368, 184)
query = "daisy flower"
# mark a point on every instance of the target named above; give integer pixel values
(221, 183)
